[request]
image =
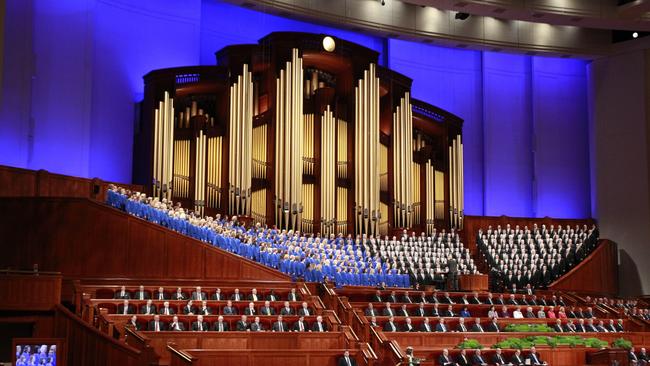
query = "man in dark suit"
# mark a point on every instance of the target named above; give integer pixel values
(422, 298)
(179, 295)
(477, 326)
(517, 359)
(220, 325)
(512, 300)
(148, 309)
(498, 359)
(462, 359)
(426, 326)
(272, 296)
(588, 314)
(632, 357)
(300, 325)
(236, 296)
(452, 272)
(205, 309)
(189, 308)
(445, 359)
(319, 325)
(449, 312)
(175, 325)
(305, 310)
(370, 310)
(461, 325)
(388, 311)
(534, 358)
(242, 324)
(406, 298)
(156, 325)
(286, 309)
(493, 326)
(267, 309)
(420, 311)
(569, 327)
(253, 296)
(133, 322)
(377, 297)
(141, 294)
(434, 311)
(475, 299)
(218, 296)
(390, 325)
(199, 325)
(619, 326)
(279, 325)
(392, 297)
(122, 294)
(198, 294)
(160, 294)
(256, 326)
(558, 326)
(346, 360)
(590, 327)
(477, 359)
(250, 309)
(408, 326)
(500, 300)
(447, 299)
(441, 326)
(293, 296)
(125, 308)
(229, 309)
(403, 311)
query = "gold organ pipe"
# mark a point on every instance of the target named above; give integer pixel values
(328, 178)
(240, 149)
(156, 157)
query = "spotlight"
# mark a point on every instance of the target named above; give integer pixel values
(461, 16)
(383, 2)
(635, 35)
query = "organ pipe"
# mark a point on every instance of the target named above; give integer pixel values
(342, 149)
(259, 205)
(215, 159)
(181, 168)
(341, 209)
(328, 172)
(402, 163)
(308, 210)
(240, 144)
(308, 148)
(163, 148)
(259, 151)
(430, 197)
(456, 200)
(199, 174)
(366, 153)
(289, 144)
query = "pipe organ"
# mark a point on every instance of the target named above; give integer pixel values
(293, 135)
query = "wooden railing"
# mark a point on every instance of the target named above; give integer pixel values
(179, 357)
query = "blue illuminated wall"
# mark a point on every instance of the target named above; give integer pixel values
(75, 72)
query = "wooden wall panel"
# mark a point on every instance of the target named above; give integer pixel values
(37, 292)
(16, 182)
(82, 238)
(596, 274)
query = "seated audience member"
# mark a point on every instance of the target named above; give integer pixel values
(156, 325)
(498, 358)
(590, 327)
(122, 294)
(253, 296)
(422, 298)
(392, 297)
(242, 324)
(319, 325)
(449, 312)
(643, 356)
(220, 325)
(477, 359)
(205, 309)
(611, 327)
(373, 321)
(133, 322)
(551, 313)
(464, 300)
(588, 313)
(461, 325)
(149, 308)
(218, 296)
(600, 327)
(272, 296)
(512, 300)
(250, 309)
(561, 314)
(408, 326)
(293, 296)
(477, 326)
(434, 311)
(390, 325)
(517, 313)
(558, 326)
(286, 309)
(179, 295)
(388, 311)
(300, 325)
(500, 300)
(125, 308)
(475, 300)
(580, 327)
(199, 325)
(517, 359)
(403, 311)
(569, 327)
(256, 326)
(236, 296)
(465, 312)
(175, 325)
(462, 359)
(447, 299)
(441, 326)
(229, 309)
(632, 357)
(492, 313)
(540, 313)
(426, 326)
(141, 294)
(279, 325)
(493, 326)
(377, 297)
(619, 325)
(421, 311)
(267, 309)
(445, 359)
(346, 360)
(305, 310)
(160, 294)
(166, 310)
(189, 308)
(406, 298)
(534, 357)
(529, 313)
(504, 312)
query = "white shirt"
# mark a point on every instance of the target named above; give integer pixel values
(517, 314)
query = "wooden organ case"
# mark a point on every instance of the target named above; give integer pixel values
(303, 132)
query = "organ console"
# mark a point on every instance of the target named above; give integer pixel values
(304, 133)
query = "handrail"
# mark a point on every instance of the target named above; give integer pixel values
(188, 358)
(10, 270)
